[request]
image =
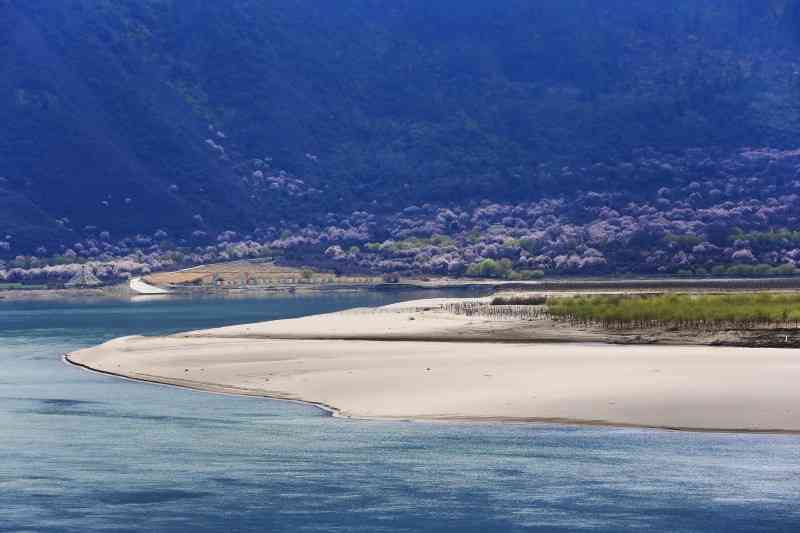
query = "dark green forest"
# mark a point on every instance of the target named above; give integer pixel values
(108, 106)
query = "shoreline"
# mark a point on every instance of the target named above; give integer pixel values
(333, 412)
(208, 388)
(415, 361)
(557, 285)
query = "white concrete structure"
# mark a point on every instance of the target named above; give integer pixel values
(140, 287)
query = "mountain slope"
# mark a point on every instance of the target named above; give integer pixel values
(107, 104)
(99, 141)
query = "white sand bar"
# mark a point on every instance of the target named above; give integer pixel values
(323, 360)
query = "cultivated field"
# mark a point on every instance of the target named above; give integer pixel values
(244, 274)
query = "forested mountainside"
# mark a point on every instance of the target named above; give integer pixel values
(190, 125)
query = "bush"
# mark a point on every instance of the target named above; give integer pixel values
(488, 268)
(519, 299)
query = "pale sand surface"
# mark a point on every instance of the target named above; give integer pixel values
(331, 360)
(417, 320)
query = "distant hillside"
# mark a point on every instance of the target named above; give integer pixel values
(130, 116)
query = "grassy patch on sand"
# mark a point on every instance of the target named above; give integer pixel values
(745, 310)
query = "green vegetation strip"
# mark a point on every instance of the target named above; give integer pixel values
(19, 286)
(714, 311)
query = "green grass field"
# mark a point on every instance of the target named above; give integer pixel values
(743, 310)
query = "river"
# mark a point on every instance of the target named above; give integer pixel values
(83, 452)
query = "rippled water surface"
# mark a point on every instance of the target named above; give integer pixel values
(83, 452)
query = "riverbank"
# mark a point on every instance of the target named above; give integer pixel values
(416, 361)
(109, 292)
(259, 277)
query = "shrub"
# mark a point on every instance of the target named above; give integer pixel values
(519, 299)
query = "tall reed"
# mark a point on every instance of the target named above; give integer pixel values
(728, 311)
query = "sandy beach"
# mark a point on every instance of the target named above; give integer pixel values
(414, 361)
